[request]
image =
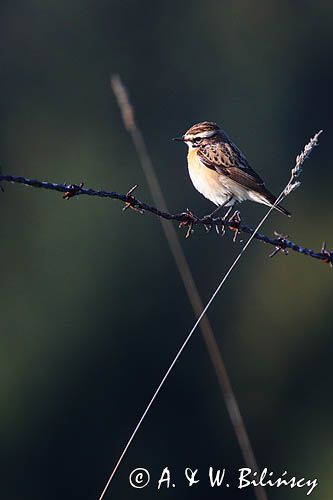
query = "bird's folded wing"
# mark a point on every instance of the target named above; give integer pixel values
(226, 159)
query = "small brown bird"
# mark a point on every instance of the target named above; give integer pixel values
(220, 172)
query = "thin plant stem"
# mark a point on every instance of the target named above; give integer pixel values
(184, 270)
(189, 336)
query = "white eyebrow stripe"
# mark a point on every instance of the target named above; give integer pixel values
(207, 133)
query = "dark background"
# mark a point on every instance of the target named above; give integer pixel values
(92, 307)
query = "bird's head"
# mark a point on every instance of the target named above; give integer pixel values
(200, 133)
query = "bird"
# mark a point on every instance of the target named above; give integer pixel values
(220, 171)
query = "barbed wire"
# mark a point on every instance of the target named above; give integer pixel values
(280, 242)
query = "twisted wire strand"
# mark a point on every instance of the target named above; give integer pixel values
(279, 242)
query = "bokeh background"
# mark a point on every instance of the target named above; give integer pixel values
(92, 306)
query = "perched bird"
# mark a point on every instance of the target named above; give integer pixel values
(220, 172)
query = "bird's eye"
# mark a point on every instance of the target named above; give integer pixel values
(196, 140)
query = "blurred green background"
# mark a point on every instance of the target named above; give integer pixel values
(92, 307)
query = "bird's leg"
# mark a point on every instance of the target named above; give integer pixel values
(221, 229)
(226, 215)
(217, 209)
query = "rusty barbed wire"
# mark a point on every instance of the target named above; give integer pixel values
(185, 218)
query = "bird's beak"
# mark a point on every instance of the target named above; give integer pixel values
(178, 139)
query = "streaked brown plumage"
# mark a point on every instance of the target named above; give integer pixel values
(220, 171)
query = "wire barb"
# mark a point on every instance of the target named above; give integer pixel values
(189, 221)
(281, 238)
(235, 220)
(132, 201)
(73, 190)
(328, 255)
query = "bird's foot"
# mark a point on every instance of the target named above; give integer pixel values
(220, 227)
(189, 221)
(208, 222)
(236, 219)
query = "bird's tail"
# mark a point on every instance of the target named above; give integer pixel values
(270, 199)
(281, 209)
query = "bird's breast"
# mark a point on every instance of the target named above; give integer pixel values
(207, 181)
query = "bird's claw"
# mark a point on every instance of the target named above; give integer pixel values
(207, 222)
(220, 227)
(226, 220)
